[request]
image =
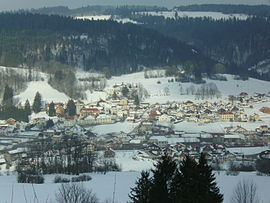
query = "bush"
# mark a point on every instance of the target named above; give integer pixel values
(30, 178)
(59, 179)
(81, 178)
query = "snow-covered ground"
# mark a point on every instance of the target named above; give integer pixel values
(163, 92)
(106, 17)
(114, 128)
(103, 186)
(48, 93)
(196, 14)
(127, 163)
(248, 150)
(157, 91)
(94, 17)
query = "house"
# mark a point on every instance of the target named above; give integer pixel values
(265, 110)
(103, 119)
(154, 113)
(241, 130)
(264, 129)
(11, 121)
(59, 110)
(164, 118)
(109, 153)
(89, 111)
(254, 117)
(243, 94)
(123, 102)
(226, 116)
(146, 125)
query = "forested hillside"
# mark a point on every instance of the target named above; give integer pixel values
(240, 44)
(102, 45)
(255, 10)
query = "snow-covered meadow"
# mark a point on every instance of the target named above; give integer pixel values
(196, 14)
(103, 186)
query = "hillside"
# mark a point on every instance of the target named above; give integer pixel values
(159, 88)
(107, 46)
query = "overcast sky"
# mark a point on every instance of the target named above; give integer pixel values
(27, 4)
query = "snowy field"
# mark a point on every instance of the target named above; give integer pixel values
(196, 14)
(158, 93)
(114, 128)
(48, 93)
(162, 93)
(103, 186)
(106, 17)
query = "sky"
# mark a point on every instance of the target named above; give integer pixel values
(28, 4)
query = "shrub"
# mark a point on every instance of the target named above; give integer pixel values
(59, 179)
(81, 178)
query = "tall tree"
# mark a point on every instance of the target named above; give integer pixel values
(8, 96)
(51, 111)
(27, 107)
(187, 185)
(136, 100)
(140, 193)
(163, 174)
(125, 91)
(37, 103)
(209, 192)
(71, 108)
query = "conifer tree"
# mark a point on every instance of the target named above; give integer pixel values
(140, 193)
(52, 111)
(163, 176)
(136, 100)
(27, 108)
(37, 103)
(187, 187)
(125, 91)
(71, 108)
(207, 185)
(7, 97)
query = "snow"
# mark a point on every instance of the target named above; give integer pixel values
(158, 94)
(48, 93)
(248, 150)
(103, 186)
(106, 17)
(114, 128)
(95, 96)
(94, 17)
(127, 163)
(197, 14)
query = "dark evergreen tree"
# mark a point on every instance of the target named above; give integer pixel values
(71, 108)
(51, 111)
(140, 193)
(207, 187)
(136, 100)
(163, 175)
(114, 96)
(37, 103)
(125, 91)
(8, 96)
(27, 108)
(187, 185)
(49, 123)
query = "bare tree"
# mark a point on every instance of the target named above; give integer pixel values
(245, 192)
(75, 193)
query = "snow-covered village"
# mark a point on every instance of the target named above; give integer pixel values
(128, 126)
(134, 101)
